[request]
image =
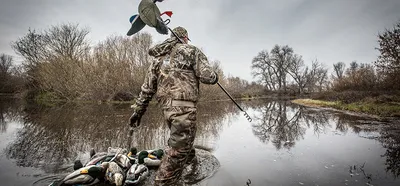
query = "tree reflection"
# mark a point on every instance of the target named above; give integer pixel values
(282, 123)
(9, 111)
(390, 139)
(3, 124)
(53, 137)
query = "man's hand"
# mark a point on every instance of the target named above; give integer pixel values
(135, 119)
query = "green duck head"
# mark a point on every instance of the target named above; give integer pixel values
(132, 151)
(142, 155)
(95, 171)
(159, 153)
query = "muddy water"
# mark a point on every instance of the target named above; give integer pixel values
(285, 144)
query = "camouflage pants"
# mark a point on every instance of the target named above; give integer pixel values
(182, 123)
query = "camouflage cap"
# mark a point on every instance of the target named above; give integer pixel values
(180, 32)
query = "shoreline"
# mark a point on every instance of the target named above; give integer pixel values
(376, 110)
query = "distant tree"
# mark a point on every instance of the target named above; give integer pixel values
(254, 89)
(388, 61)
(53, 59)
(5, 65)
(264, 70)
(353, 67)
(323, 80)
(389, 48)
(339, 68)
(10, 79)
(5, 74)
(31, 48)
(236, 86)
(359, 76)
(271, 68)
(281, 57)
(318, 77)
(66, 41)
(299, 72)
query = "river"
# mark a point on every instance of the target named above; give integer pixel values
(285, 144)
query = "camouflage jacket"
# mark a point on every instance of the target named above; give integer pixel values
(177, 80)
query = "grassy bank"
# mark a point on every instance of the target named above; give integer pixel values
(367, 106)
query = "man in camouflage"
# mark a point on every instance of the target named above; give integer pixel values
(176, 86)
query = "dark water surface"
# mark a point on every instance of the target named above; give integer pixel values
(286, 144)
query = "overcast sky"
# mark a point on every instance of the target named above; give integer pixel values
(232, 31)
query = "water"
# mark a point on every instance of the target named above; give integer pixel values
(285, 144)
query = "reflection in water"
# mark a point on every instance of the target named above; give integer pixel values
(51, 138)
(61, 134)
(356, 170)
(9, 112)
(284, 124)
(391, 141)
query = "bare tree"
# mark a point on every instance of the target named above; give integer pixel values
(298, 72)
(271, 68)
(322, 79)
(66, 41)
(264, 70)
(388, 62)
(45, 54)
(119, 66)
(5, 64)
(318, 76)
(281, 57)
(5, 73)
(339, 68)
(389, 43)
(236, 86)
(358, 76)
(32, 48)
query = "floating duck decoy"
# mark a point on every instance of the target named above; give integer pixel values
(114, 173)
(89, 175)
(112, 166)
(138, 171)
(118, 156)
(132, 153)
(154, 158)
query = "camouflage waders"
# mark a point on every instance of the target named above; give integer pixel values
(182, 122)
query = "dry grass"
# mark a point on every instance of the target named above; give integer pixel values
(367, 107)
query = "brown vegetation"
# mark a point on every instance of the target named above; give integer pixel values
(11, 80)
(60, 64)
(367, 83)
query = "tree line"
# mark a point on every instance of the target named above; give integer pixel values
(59, 63)
(282, 70)
(382, 74)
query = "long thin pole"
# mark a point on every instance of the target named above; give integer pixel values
(226, 92)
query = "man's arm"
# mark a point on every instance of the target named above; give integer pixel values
(203, 69)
